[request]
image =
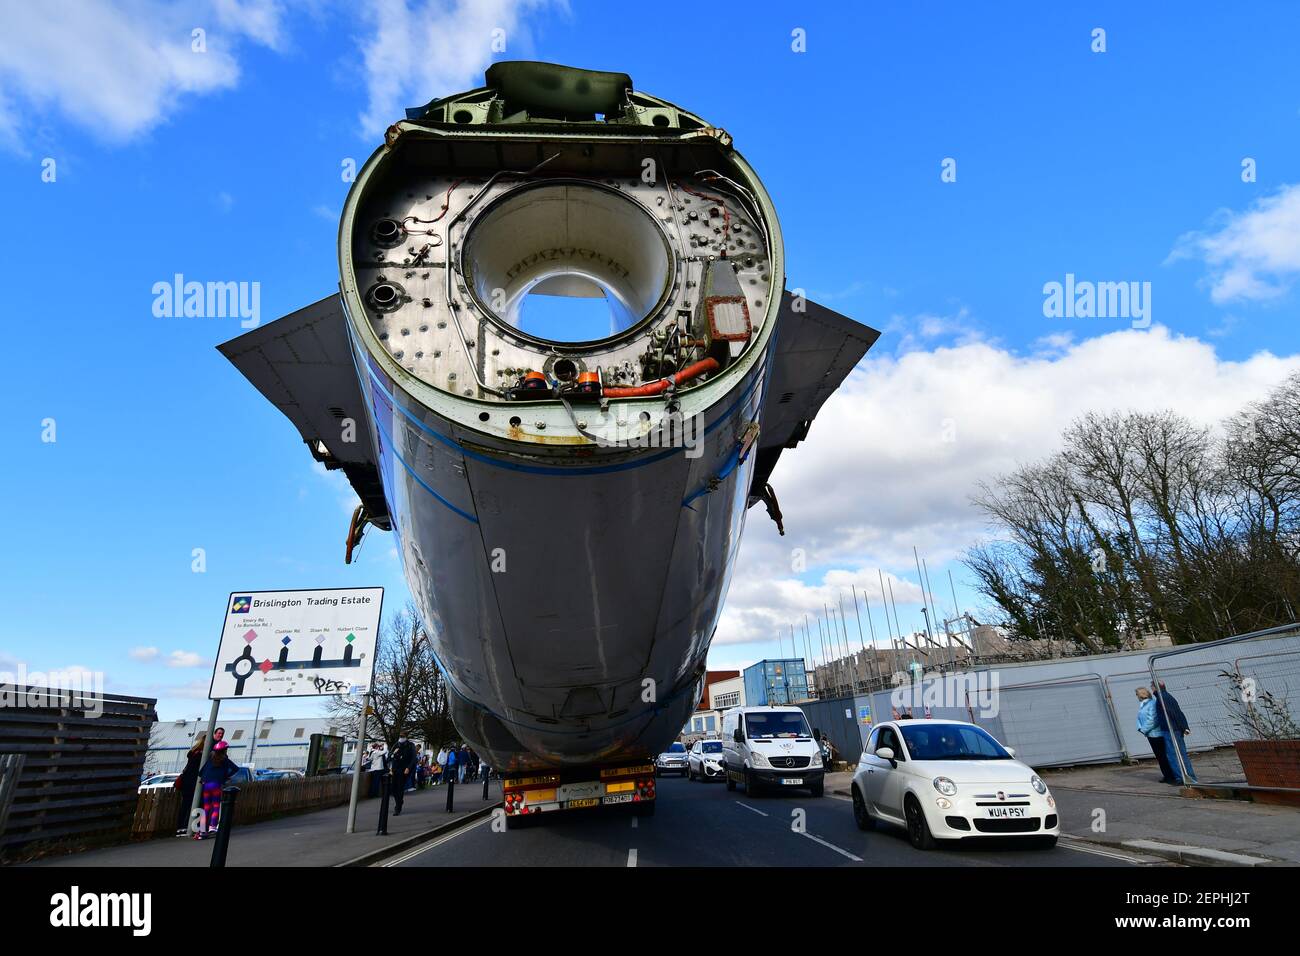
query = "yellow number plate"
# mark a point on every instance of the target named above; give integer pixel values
(583, 803)
(627, 771)
(623, 787)
(514, 782)
(539, 796)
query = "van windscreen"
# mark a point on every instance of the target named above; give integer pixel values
(787, 724)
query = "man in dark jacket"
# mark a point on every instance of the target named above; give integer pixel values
(1173, 723)
(401, 764)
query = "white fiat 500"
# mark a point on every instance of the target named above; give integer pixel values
(950, 780)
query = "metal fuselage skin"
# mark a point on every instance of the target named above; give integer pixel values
(570, 589)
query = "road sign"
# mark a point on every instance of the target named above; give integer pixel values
(297, 643)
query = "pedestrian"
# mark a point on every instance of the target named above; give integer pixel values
(462, 763)
(442, 765)
(473, 764)
(402, 765)
(186, 782)
(375, 767)
(484, 771)
(413, 782)
(1173, 723)
(452, 757)
(213, 776)
(1149, 727)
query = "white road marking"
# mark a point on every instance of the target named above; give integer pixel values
(631, 857)
(434, 843)
(1065, 844)
(634, 819)
(832, 846)
(748, 807)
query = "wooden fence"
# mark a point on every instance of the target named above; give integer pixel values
(155, 811)
(83, 755)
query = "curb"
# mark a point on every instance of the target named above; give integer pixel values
(405, 843)
(1177, 852)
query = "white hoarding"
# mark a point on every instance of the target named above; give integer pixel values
(297, 643)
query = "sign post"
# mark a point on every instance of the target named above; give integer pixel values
(356, 764)
(308, 643)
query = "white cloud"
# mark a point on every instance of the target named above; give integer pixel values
(143, 653)
(119, 68)
(421, 50)
(1254, 255)
(761, 608)
(185, 659)
(906, 439)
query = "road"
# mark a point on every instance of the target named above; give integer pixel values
(702, 824)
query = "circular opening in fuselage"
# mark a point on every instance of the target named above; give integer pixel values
(569, 242)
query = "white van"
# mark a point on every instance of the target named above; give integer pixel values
(770, 746)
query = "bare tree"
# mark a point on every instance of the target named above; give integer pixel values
(408, 694)
(1146, 522)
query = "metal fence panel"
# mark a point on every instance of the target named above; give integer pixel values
(1059, 723)
(1242, 688)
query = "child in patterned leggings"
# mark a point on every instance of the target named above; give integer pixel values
(213, 777)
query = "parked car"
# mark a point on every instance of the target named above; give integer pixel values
(272, 773)
(672, 760)
(705, 761)
(159, 781)
(771, 746)
(949, 780)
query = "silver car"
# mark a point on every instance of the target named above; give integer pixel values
(672, 760)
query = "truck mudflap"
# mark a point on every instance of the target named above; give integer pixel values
(572, 790)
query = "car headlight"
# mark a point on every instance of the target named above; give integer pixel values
(816, 760)
(758, 759)
(945, 786)
(1038, 784)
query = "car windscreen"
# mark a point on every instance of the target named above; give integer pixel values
(712, 746)
(779, 724)
(951, 742)
(677, 749)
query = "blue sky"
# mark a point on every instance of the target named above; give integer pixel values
(1122, 165)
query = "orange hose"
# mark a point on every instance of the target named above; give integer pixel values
(654, 388)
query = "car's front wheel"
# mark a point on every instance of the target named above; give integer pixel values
(861, 817)
(918, 830)
(731, 781)
(751, 783)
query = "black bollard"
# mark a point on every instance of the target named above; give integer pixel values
(486, 776)
(382, 829)
(225, 823)
(451, 790)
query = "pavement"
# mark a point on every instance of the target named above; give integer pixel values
(305, 839)
(702, 824)
(1126, 806)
